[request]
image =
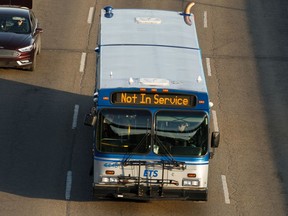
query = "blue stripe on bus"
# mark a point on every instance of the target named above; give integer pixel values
(119, 158)
(151, 156)
(115, 160)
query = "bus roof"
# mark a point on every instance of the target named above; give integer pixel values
(149, 49)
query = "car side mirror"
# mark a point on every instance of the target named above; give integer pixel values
(38, 30)
(215, 139)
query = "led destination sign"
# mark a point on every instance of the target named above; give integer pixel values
(159, 99)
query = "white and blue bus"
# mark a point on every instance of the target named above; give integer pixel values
(151, 114)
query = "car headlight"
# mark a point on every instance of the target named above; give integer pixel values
(190, 182)
(26, 49)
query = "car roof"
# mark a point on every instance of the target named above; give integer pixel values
(19, 3)
(14, 10)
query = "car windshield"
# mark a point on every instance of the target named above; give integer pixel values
(181, 133)
(16, 24)
(124, 131)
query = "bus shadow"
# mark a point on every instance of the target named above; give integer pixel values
(38, 145)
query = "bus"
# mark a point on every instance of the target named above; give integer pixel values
(151, 110)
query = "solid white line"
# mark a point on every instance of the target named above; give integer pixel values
(68, 185)
(205, 19)
(225, 189)
(75, 116)
(214, 116)
(208, 66)
(90, 15)
(82, 62)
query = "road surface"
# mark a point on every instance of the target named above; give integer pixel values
(45, 151)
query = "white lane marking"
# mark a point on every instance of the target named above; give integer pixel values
(90, 15)
(82, 62)
(208, 66)
(68, 185)
(205, 19)
(75, 116)
(225, 189)
(214, 116)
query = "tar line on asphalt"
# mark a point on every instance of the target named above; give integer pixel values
(76, 110)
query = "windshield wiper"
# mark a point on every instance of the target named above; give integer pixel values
(168, 155)
(128, 155)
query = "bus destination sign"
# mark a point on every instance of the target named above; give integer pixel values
(159, 99)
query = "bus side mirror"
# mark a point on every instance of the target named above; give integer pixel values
(215, 139)
(97, 49)
(90, 118)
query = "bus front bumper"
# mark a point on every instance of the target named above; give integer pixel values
(150, 193)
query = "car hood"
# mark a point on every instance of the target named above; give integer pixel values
(9, 40)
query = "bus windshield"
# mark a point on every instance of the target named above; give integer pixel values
(124, 131)
(181, 133)
(177, 133)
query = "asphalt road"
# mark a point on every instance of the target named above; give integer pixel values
(43, 140)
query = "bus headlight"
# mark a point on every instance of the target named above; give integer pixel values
(190, 182)
(114, 180)
(107, 179)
